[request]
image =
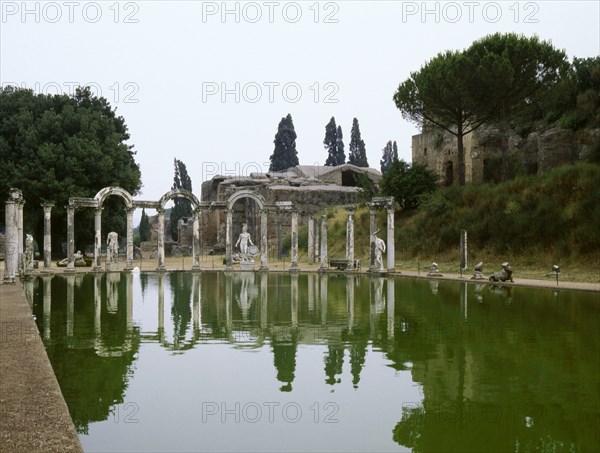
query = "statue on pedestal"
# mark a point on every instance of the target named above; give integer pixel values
(243, 240)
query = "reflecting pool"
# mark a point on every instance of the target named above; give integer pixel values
(279, 362)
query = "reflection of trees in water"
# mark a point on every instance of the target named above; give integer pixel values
(334, 361)
(496, 375)
(358, 353)
(520, 374)
(91, 381)
(284, 358)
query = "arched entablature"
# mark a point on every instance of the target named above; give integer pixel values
(108, 191)
(246, 194)
(179, 193)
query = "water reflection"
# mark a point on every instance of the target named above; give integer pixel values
(512, 368)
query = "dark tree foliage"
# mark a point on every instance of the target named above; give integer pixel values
(182, 207)
(284, 155)
(53, 147)
(406, 183)
(144, 228)
(340, 145)
(357, 152)
(389, 155)
(333, 144)
(496, 79)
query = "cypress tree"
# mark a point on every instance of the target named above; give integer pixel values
(333, 144)
(357, 151)
(284, 155)
(145, 232)
(182, 208)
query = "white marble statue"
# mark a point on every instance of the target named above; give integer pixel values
(379, 251)
(28, 252)
(112, 247)
(243, 240)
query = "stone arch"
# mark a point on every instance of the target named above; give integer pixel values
(246, 194)
(108, 191)
(175, 193)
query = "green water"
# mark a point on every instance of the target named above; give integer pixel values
(256, 362)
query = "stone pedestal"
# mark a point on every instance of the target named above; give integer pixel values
(247, 266)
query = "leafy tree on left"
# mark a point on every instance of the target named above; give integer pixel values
(53, 147)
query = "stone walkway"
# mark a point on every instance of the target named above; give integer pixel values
(33, 413)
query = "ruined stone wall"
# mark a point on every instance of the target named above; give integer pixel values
(309, 200)
(539, 152)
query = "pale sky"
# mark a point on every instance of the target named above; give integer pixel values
(208, 82)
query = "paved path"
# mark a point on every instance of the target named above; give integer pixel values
(33, 413)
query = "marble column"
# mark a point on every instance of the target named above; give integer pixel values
(311, 239)
(264, 266)
(196, 241)
(70, 239)
(20, 205)
(390, 307)
(161, 240)
(391, 249)
(47, 291)
(229, 240)
(317, 242)
(11, 249)
(129, 244)
(372, 230)
(98, 239)
(323, 254)
(294, 257)
(350, 239)
(47, 235)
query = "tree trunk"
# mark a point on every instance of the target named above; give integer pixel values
(460, 156)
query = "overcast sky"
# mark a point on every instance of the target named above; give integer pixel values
(208, 82)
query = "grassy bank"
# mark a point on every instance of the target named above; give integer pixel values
(533, 222)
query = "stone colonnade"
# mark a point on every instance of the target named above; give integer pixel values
(317, 233)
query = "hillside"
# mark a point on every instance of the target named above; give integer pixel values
(533, 220)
